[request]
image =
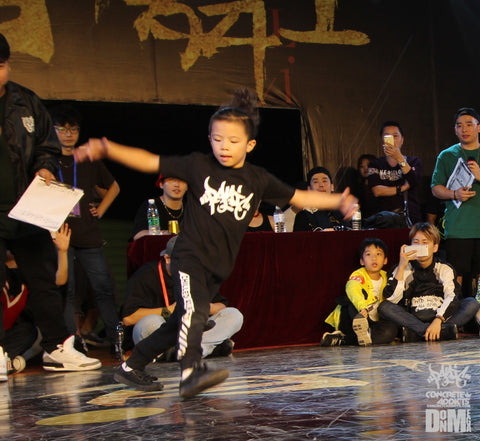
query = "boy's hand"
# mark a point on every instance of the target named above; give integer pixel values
(62, 238)
(93, 150)
(433, 331)
(348, 204)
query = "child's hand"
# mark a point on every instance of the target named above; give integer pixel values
(348, 204)
(93, 150)
(62, 238)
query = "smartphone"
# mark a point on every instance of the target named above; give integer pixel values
(422, 250)
(388, 140)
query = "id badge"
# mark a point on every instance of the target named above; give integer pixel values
(75, 210)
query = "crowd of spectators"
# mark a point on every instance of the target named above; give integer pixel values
(420, 298)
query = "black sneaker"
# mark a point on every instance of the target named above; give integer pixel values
(137, 379)
(200, 379)
(361, 328)
(209, 325)
(80, 344)
(449, 331)
(224, 349)
(168, 356)
(93, 339)
(409, 336)
(335, 338)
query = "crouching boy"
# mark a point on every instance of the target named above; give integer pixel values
(356, 319)
(422, 295)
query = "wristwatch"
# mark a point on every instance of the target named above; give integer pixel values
(403, 163)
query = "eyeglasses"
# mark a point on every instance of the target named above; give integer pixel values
(73, 130)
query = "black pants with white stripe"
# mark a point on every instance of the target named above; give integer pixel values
(194, 289)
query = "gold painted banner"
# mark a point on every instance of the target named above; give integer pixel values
(345, 64)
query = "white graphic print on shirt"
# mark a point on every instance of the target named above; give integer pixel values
(226, 198)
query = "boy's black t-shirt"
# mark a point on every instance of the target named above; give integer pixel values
(85, 229)
(221, 203)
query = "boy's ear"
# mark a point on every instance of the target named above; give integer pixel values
(386, 261)
(251, 145)
(435, 248)
(361, 262)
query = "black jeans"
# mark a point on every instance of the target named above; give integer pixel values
(194, 290)
(36, 258)
(458, 312)
(381, 331)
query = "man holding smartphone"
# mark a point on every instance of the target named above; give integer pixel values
(394, 178)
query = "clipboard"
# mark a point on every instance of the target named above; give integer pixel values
(46, 206)
(461, 177)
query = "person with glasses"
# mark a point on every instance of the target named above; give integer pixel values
(86, 240)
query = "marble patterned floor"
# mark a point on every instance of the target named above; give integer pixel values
(415, 391)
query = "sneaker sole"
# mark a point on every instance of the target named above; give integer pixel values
(212, 380)
(18, 364)
(360, 326)
(156, 386)
(65, 367)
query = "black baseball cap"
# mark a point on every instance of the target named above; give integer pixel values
(316, 170)
(4, 49)
(466, 111)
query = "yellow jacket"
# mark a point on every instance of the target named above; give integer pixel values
(358, 287)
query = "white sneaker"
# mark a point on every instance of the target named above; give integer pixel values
(3, 365)
(361, 328)
(67, 358)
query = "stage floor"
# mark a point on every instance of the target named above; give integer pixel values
(395, 392)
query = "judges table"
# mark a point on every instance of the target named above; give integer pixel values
(285, 284)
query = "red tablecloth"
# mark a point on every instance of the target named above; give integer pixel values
(285, 284)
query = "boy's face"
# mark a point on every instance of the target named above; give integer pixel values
(230, 143)
(373, 259)
(421, 239)
(321, 182)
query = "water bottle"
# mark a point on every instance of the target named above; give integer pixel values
(357, 220)
(153, 219)
(119, 352)
(477, 295)
(279, 220)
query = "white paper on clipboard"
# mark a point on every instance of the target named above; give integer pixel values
(46, 206)
(461, 177)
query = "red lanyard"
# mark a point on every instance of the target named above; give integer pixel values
(164, 288)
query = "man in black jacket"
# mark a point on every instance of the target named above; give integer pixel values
(28, 147)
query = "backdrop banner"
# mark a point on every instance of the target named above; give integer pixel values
(347, 65)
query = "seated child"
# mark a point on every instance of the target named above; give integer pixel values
(422, 295)
(356, 319)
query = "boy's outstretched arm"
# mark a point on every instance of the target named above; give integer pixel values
(133, 157)
(344, 202)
